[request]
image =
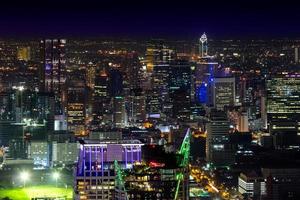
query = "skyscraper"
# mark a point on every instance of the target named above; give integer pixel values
(116, 82)
(179, 86)
(204, 72)
(137, 106)
(101, 97)
(76, 107)
(223, 90)
(52, 69)
(160, 93)
(203, 46)
(218, 139)
(119, 112)
(283, 107)
(24, 53)
(158, 54)
(95, 173)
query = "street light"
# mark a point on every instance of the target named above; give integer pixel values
(24, 177)
(56, 176)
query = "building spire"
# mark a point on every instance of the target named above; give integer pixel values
(202, 45)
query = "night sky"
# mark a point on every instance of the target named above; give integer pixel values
(182, 19)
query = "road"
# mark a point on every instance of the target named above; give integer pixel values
(206, 181)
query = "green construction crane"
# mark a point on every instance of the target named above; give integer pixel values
(119, 178)
(185, 152)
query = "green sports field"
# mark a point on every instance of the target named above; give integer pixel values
(36, 191)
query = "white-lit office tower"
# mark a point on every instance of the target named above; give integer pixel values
(283, 108)
(223, 92)
(159, 94)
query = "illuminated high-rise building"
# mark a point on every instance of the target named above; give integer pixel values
(297, 55)
(204, 72)
(119, 112)
(90, 76)
(76, 107)
(95, 172)
(158, 54)
(283, 106)
(137, 106)
(217, 140)
(133, 70)
(203, 46)
(243, 122)
(101, 84)
(160, 93)
(24, 53)
(101, 97)
(223, 92)
(52, 69)
(179, 88)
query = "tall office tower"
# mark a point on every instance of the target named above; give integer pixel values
(181, 104)
(52, 69)
(119, 112)
(243, 122)
(90, 75)
(283, 107)
(242, 90)
(263, 111)
(297, 55)
(133, 70)
(95, 174)
(24, 53)
(160, 93)
(137, 106)
(223, 90)
(204, 72)
(217, 140)
(101, 97)
(76, 107)
(158, 53)
(179, 86)
(116, 82)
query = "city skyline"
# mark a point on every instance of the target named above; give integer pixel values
(162, 100)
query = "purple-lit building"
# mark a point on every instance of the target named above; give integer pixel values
(95, 175)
